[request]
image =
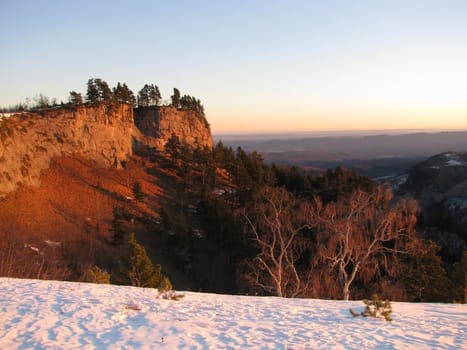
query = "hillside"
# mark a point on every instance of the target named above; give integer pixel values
(56, 217)
(49, 314)
(440, 185)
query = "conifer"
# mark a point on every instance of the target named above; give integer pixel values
(136, 269)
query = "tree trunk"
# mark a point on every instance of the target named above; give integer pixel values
(346, 292)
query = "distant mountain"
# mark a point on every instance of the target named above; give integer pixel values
(371, 155)
(440, 185)
(360, 147)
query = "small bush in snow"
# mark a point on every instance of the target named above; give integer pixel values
(95, 274)
(171, 295)
(375, 308)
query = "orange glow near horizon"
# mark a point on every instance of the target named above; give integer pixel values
(381, 117)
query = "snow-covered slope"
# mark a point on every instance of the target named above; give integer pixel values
(64, 315)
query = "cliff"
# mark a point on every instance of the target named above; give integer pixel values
(104, 134)
(29, 141)
(158, 124)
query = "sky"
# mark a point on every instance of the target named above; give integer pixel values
(257, 65)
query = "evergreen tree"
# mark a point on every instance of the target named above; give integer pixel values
(219, 151)
(192, 103)
(176, 98)
(154, 95)
(173, 148)
(138, 192)
(460, 279)
(92, 94)
(118, 233)
(424, 276)
(136, 269)
(105, 94)
(149, 95)
(122, 94)
(75, 98)
(98, 91)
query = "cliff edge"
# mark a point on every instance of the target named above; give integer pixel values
(157, 124)
(106, 134)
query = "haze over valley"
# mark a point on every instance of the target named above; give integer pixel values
(372, 153)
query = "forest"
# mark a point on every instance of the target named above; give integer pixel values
(280, 231)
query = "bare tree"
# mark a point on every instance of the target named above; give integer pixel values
(360, 234)
(275, 226)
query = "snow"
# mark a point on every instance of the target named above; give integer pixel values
(454, 162)
(57, 315)
(452, 159)
(457, 203)
(52, 243)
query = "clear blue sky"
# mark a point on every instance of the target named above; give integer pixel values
(257, 66)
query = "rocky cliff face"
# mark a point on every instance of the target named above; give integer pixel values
(440, 184)
(105, 134)
(29, 141)
(159, 123)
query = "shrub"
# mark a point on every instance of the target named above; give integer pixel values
(94, 274)
(375, 308)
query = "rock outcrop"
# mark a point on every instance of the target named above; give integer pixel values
(440, 184)
(158, 124)
(106, 134)
(29, 141)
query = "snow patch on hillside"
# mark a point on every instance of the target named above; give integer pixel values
(452, 159)
(449, 159)
(58, 315)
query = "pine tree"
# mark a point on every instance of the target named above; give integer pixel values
(460, 279)
(136, 269)
(424, 276)
(75, 98)
(122, 94)
(149, 95)
(118, 233)
(138, 192)
(98, 91)
(92, 94)
(173, 147)
(176, 98)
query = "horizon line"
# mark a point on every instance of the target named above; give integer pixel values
(342, 132)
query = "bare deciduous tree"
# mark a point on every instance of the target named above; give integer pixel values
(360, 234)
(275, 225)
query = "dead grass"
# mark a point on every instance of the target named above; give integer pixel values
(74, 206)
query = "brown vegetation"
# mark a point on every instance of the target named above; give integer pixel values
(73, 208)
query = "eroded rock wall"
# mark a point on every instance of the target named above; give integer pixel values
(29, 141)
(158, 124)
